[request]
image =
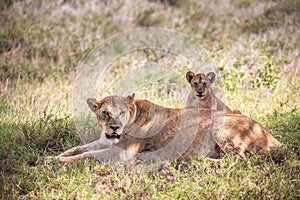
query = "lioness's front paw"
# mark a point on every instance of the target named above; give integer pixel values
(63, 159)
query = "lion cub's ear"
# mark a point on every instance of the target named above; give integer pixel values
(93, 104)
(211, 76)
(131, 98)
(189, 76)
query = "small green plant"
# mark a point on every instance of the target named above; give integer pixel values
(232, 76)
(148, 18)
(267, 77)
(143, 18)
(244, 3)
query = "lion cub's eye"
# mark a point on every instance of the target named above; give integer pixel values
(122, 113)
(204, 84)
(105, 114)
(195, 83)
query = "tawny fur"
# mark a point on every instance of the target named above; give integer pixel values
(140, 128)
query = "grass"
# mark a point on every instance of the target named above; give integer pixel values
(253, 43)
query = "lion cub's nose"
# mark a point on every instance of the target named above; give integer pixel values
(115, 127)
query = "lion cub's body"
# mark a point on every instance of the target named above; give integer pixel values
(211, 102)
(138, 127)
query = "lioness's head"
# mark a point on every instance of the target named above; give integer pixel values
(113, 114)
(200, 83)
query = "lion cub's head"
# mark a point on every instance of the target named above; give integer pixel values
(113, 114)
(200, 83)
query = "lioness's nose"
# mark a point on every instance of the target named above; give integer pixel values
(115, 127)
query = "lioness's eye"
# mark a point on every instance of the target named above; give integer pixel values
(122, 112)
(105, 114)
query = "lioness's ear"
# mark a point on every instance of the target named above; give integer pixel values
(211, 76)
(189, 76)
(131, 98)
(131, 105)
(93, 104)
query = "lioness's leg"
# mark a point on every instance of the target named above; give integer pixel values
(71, 158)
(228, 146)
(96, 145)
(109, 154)
(74, 151)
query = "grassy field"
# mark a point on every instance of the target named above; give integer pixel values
(254, 44)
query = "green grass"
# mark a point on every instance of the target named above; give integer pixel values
(25, 172)
(253, 43)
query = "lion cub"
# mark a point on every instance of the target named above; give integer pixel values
(201, 95)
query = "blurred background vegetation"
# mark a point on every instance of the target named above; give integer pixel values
(254, 44)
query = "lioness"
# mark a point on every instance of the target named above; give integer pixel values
(139, 127)
(201, 95)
